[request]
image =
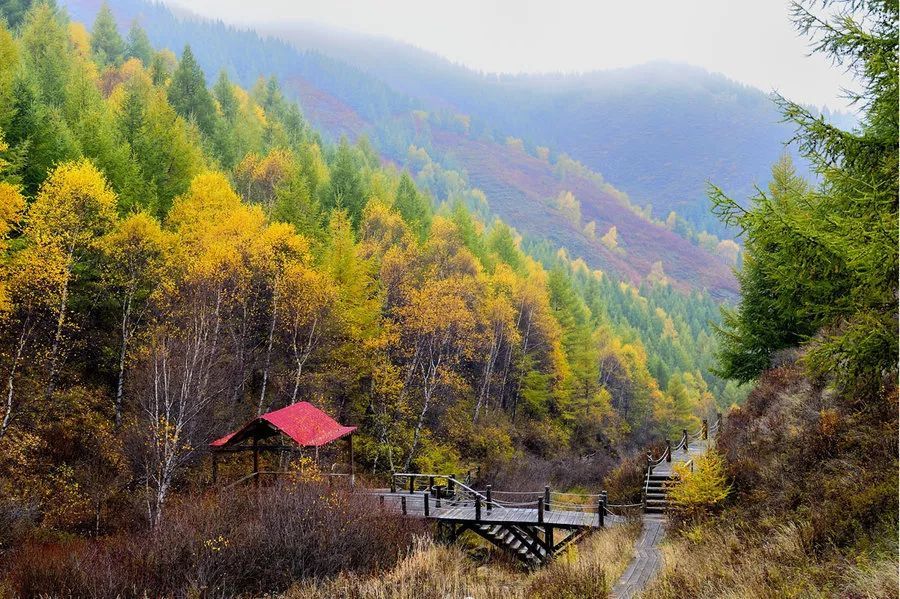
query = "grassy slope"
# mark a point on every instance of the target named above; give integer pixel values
(432, 571)
(814, 504)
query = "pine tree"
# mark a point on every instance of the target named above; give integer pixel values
(412, 206)
(824, 261)
(138, 44)
(189, 96)
(106, 43)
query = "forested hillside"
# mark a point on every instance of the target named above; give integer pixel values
(657, 131)
(179, 257)
(450, 150)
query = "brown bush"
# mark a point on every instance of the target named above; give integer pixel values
(562, 473)
(625, 482)
(241, 542)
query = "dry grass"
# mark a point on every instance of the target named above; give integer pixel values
(731, 563)
(436, 571)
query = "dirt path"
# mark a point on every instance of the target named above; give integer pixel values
(647, 559)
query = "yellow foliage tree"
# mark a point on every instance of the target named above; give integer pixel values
(702, 486)
(73, 209)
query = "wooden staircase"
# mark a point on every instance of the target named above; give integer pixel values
(656, 493)
(529, 544)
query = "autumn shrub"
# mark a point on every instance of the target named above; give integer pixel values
(796, 447)
(243, 542)
(702, 486)
(625, 482)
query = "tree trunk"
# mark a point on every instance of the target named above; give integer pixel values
(265, 380)
(58, 336)
(123, 351)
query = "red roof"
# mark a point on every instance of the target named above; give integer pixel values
(306, 424)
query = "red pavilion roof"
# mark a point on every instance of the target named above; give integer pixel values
(306, 424)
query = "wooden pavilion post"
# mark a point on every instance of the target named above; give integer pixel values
(256, 461)
(352, 464)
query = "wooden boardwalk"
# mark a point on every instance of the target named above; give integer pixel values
(465, 511)
(533, 527)
(647, 559)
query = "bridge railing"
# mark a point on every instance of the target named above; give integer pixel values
(684, 443)
(420, 494)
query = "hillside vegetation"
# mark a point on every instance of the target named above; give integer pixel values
(812, 454)
(512, 177)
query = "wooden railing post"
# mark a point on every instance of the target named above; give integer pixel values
(477, 508)
(403, 504)
(601, 512)
(451, 485)
(425, 497)
(686, 439)
(705, 429)
(393, 482)
(412, 484)
(668, 450)
(437, 501)
(488, 495)
(540, 506)
(547, 497)
(431, 484)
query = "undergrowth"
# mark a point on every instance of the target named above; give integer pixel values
(588, 569)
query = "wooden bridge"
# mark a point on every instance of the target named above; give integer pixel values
(532, 526)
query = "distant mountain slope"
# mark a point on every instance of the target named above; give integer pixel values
(344, 100)
(658, 131)
(522, 190)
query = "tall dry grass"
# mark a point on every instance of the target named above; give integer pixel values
(730, 562)
(587, 570)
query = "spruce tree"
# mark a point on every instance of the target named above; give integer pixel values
(821, 263)
(412, 206)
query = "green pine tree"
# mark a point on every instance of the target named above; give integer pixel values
(106, 43)
(189, 96)
(137, 45)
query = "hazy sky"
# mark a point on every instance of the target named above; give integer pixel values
(749, 41)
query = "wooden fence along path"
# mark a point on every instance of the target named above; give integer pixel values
(532, 526)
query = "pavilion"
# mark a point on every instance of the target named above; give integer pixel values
(300, 424)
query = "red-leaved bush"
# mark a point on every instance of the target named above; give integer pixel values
(225, 544)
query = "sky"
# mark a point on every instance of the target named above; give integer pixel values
(749, 41)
